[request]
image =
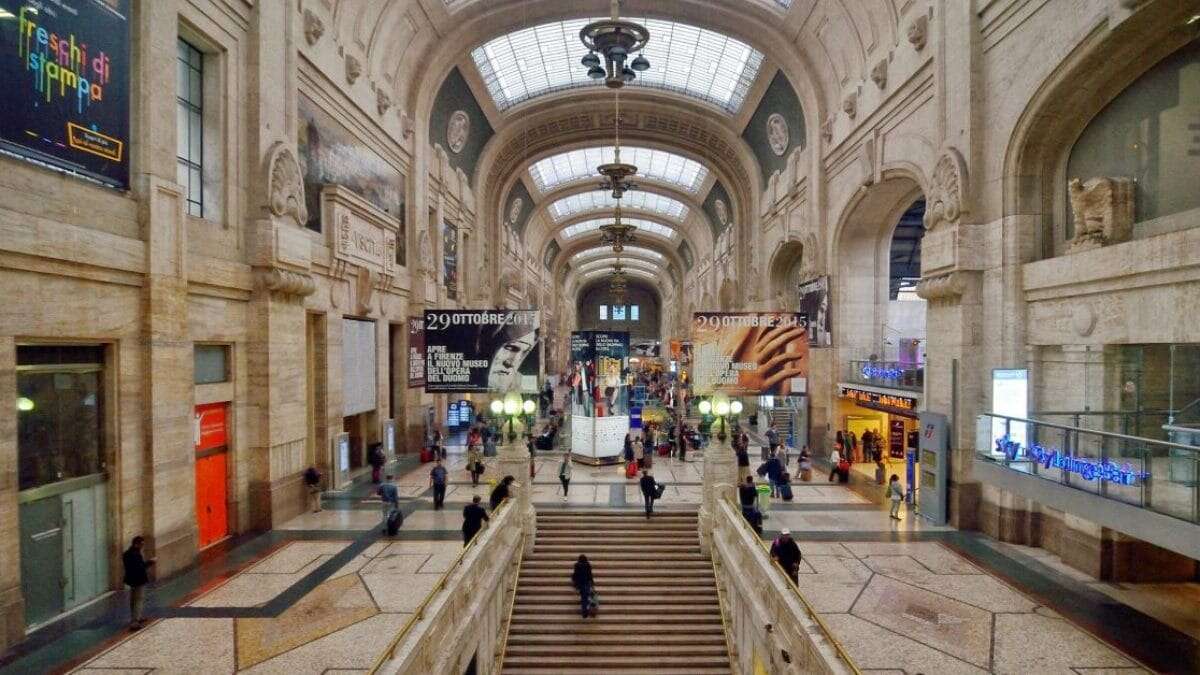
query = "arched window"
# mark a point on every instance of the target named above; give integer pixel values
(1150, 133)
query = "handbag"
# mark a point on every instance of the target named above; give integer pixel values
(843, 466)
(478, 467)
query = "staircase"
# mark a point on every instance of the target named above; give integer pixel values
(659, 611)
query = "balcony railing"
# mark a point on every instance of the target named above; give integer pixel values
(1159, 476)
(890, 374)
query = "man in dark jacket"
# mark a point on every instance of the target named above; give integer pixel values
(137, 576)
(775, 469)
(437, 479)
(582, 580)
(785, 552)
(743, 461)
(647, 484)
(747, 493)
(473, 517)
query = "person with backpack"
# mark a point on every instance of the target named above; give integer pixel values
(390, 497)
(564, 473)
(785, 552)
(649, 488)
(474, 516)
(585, 583)
(896, 495)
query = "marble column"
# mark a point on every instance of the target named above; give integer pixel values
(720, 481)
(513, 460)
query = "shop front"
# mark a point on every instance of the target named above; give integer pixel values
(879, 423)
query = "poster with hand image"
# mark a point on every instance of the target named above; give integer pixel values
(482, 350)
(749, 353)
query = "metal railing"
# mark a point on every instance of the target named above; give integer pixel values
(512, 603)
(891, 374)
(812, 611)
(1159, 476)
(419, 614)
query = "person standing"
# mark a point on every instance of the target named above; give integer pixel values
(137, 575)
(785, 552)
(584, 582)
(437, 479)
(312, 480)
(648, 487)
(748, 494)
(390, 497)
(772, 435)
(645, 453)
(376, 459)
(896, 494)
(775, 470)
(743, 461)
(474, 463)
(564, 473)
(628, 448)
(835, 458)
(474, 516)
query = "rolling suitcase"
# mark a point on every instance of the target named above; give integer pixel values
(631, 470)
(394, 520)
(785, 491)
(426, 455)
(664, 450)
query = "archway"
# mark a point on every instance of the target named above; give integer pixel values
(784, 274)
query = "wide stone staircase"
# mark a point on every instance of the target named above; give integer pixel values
(659, 611)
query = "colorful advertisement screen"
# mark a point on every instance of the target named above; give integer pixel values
(64, 71)
(482, 350)
(750, 353)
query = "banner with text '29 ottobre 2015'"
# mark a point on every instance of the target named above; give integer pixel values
(482, 350)
(64, 85)
(750, 353)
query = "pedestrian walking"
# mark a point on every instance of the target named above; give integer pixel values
(564, 473)
(137, 576)
(390, 497)
(648, 487)
(628, 448)
(896, 494)
(475, 462)
(585, 583)
(835, 459)
(437, 479)
(785, 552)
(474, 516)
(747, 493)
(772, 435)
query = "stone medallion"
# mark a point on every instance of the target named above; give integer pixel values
(777, 134)
(457, 130)
(514, 210)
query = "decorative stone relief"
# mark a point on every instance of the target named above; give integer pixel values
(942, 287)
(947, 193)
(406, 124)
(722, 212)
(918, 32)
(426, 251)
(850, 104)
(1103, 209)
(364, 288)
(314, 27)
(777, 134)
(810, 257)
(286, 185)
(879, 73)
(353, 68)
(1083, 320)
(383, 102)
(457, 130)
(514, 210)
(827, 130)
(287, 282)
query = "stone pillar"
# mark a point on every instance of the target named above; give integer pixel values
(513, 460)
(720, 481)
(12, 602)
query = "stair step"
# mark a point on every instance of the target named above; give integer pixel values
(618, 639)
(614, 590)
(597, 628)
(586, 651)
(571, 615)
(589, 671)
(653, 661)
(571, 606)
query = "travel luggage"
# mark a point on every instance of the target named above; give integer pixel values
(785, 491)
(631, 470)
(426, 455)
(593, 604)
(659, 489)
(664, 450)
(806, 474)
(394, 520)
(843, 474)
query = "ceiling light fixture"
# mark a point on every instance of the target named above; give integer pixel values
(616, 40)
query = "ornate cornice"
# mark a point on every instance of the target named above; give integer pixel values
(287, 283)
(946, 286)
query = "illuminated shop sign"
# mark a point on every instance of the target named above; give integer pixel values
(1102, 470)
(877, 399)
(874, 372)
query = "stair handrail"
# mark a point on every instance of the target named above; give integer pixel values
(512, 603)
(419, 614)
(724, 612)
(812, 611)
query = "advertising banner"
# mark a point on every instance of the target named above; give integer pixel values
(64, 71)
(814, 303)
(750, 353)
(481, 350)
(598, 366)
(416, 351)
(450, 259)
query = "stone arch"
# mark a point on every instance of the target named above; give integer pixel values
(784, 271)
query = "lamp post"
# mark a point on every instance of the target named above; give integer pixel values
(720, 469)
(514, 460)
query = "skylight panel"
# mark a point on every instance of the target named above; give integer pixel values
(642, 224)
(694, 61)
(600, 250)
(603, 200)
(576, 165)
(630, 272)
(627, 263)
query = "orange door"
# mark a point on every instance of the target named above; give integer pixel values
(211, 516)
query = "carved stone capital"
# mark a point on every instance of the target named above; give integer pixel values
(314, 27)
(942, 287)
(946, 201)
(287, 282)
(286, 184)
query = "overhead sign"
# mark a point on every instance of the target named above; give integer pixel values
(874, 399)
(1088, 469)
(64, 71)
(484, 350)
(749, 353)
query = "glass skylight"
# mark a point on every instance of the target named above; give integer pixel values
(642, 225)
(627, 263)
(630, 272)
(542, 59)
(784, 3)
(602, 199)
(597, 251)
(660, 165)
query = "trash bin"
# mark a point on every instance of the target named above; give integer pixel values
(764, 498)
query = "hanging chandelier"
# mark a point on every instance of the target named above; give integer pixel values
(617, 284)
(617, 234)
(616, 41)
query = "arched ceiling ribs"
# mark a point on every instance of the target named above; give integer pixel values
(564, 168)
(645, 226)
(656, 202)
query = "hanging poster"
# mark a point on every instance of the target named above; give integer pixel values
(450, 259)
(481, 350)
(814, 303)
(64, 71)
(896, 439)
(416, 351)
(750, 353)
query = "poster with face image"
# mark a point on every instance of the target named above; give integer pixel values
(64, 72)
(814, 303)
(750, 353)
(481, 350)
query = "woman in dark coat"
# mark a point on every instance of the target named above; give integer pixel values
(581, 579)
(501, 492)
(628, 448)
